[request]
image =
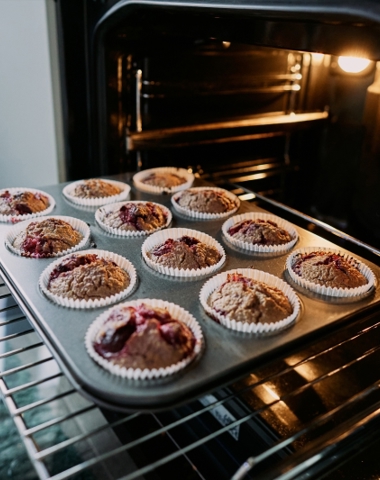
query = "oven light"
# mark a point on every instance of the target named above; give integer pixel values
(353, 64)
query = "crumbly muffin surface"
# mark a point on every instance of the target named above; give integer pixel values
(143, 337)
(22, 203)
(205, 201)
(260, 232)
(95, 188)
(185, 253)
(87, 277)
(163, 180)
(329, 270)
(136, 217)
(46, 237)
(246, 300)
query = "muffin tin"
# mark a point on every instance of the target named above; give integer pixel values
(64, 329)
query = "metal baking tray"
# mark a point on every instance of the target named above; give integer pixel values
(227, 355)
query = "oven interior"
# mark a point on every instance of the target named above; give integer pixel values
(251, 104)
(214, 93)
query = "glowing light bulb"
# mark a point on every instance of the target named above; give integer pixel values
(353, 64)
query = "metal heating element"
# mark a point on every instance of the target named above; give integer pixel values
(65, 435)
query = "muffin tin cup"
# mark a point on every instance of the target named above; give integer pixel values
(181, 172)
(96, 202)
(347, 293)
(253, 248)
(160, 237)
(176, 312)
(244, 327)
(26, 216)
(77, 224)
(202, 215)
(122, 262)
(103, 211)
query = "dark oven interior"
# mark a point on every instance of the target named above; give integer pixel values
(237, 96)
(251, 98)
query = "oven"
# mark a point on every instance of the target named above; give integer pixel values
(253, 98)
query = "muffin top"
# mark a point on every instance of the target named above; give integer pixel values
(246, 300)
(22, 203)
(205, 201)
(46, 237)
(163, 180)
(136, 216)
(185, 253)
(142, 337)
(95, 188)
(260, 232)
(328, 269)
(86, 277)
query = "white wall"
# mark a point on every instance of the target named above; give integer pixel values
(29, 148)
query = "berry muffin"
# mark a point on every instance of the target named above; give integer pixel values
(182, 252)
(45, 238)
(96, 192)
(163, 180)
(205, 202)
(329, 272)
(250, 301)
(133, 218)
(92, 278)
(260, 232)
(144, 339)
(18, 204)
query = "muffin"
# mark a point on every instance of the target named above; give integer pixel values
(45, 238)
(246, 300)
(183, 252)
(88, 279)
(329, 272)
(186, 253)
(250, 300)
(260, 232)
(95, 188)
(144, 338)
(20, 203)
(163, 180)
(133, 218)
(205, 202)
(96, 192)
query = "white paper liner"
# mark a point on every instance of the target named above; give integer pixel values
(26, 216)
(181, 172)
(160, 237)
(260, 276)
(93, 303)
(77, 224)
(176, 312)
(102, 211)
(331, 291)
(275, 249)
(202, 215)
(96, 202)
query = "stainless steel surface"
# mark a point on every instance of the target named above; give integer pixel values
(64, 329)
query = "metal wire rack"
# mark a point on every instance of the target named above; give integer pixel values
(258, 422)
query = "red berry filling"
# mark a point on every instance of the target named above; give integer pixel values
(71, 263)
(168, 245)
(114, 341)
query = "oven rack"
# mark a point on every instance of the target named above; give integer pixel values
(87, 434)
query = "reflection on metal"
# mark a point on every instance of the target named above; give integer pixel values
(254, 127)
